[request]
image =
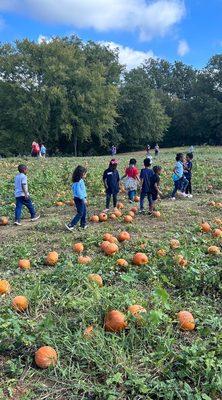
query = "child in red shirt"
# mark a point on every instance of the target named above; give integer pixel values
(132, 179)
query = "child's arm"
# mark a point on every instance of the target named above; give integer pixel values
(124, 176)
(157, 188)
(24, 187)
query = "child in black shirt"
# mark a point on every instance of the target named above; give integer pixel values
(111, 182)
(155, 184)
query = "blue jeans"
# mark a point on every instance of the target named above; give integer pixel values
(81, 213)
(149, 198)
(180, 184)
(20, 202)
(131, 194)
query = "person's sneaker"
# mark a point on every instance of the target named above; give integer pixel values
(35, 218)
(106, 210)
(141, 211)
(184, 194)
(69, 227)
(84, 227)
(17, 223)
(131, 201)
(173, 198)
(190, 196)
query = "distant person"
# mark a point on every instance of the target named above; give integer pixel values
(148, 156)
(42, 151)
(157, 150)
(191, 149)
(147, 148)
(180, 182)
(113, 151)
(188, 173)
(22, 195)
(146, 177)
(79, 194)
(131, 183)
(35, 149)
(111, 182)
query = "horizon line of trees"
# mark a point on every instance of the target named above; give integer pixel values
(77, 99)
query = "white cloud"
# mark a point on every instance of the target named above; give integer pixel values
(43, 39)
(149, 18)
(183, 48)
(128, 56)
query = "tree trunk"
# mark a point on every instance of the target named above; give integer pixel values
(75, 142)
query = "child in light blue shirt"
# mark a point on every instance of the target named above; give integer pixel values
(79, 194)
(180, 182)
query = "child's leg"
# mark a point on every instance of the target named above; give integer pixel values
(83, 219)
(29, 205)
(80, 211)
(108, 197)
(184, 185)
(18, 209)
(131, 195)
(176, 187)
(190, 186)
(142, 197)
(115, 200)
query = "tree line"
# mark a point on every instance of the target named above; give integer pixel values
(77, 99)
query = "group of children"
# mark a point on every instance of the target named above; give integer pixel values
(148, 179)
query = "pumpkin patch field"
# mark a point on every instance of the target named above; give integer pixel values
(129, 308)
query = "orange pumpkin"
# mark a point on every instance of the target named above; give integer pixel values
(78, 247)
(103, 217)
(218, 205)
(134, 209)
(214, 250)
(104, 244)
(140, 259)
(46, 357)
(180, 260)
(20, 303)
(52, 258)
(113, 216)
(110, 249)
(136, 199)
(136, 310)
(4, 287)
(24, 264)
(94, 218)
(217, 233)
(96, 278)
(157, 214)
(124, 236)
(71, 203)
(122, 262)
(186, 320)
(84, 259)
(117, 213)
(115, 321)
(218, 221)
(212, 203)
(3, 221)
(59, 203)
(128, 219)
(174, 244)
(205, 227)
(161, 253)
(88, 331)
(132, 214)
(120, 206)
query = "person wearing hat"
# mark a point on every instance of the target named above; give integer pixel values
(111, 182)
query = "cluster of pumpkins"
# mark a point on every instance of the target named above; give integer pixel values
(216, 233)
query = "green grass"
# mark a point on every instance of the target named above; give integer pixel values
(152, 360)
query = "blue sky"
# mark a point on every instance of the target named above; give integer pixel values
(187, 30)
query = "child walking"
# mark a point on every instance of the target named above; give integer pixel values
(188, 173)
(146, 177)
(132, 175)
(79, 195)
(22, 195)
(155, 183)
(180, 182)
(111, 182)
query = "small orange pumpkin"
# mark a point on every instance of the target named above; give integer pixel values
(128, 219)
(111, 249)
(157, 214)
(117, 213)
(103, 217)
(24, 264)
(186, 320)
(94, 218)
(132, 214)
(174, 244)
(46, 357)
(122, 262)
(113, 216)
(217, 233)
(161, 252)
(115, 321)
(59, 203)
(218, 221)
(120, 206)
(78, 247)
(3, 221)
(140, 259)
(214, 250)
(205, 227)
(20, 303)
(84, 259)
(124, 236)
(136, 310)
(52, 258)
(4, 287)
(136, 199)
(96, 278)
(134, 209)
(88, 331)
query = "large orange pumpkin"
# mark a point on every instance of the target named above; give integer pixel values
(174, 244)
(140, 259)
(117, 213)
(96, 278)
(124, 236)
(84, 259)
(3, 221)
(217, 233)
(205, 227)
(128, 219)
(214, 250)
(78, 247)
(104, 244)
(94, 218)
(52, 258)
(20, 303)
(24, 264)
(115, 321)
(4, 287)
(136, 310)
(103, 217)
(110, 249)
(186, 320)
(46, 357)
(122, 262)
